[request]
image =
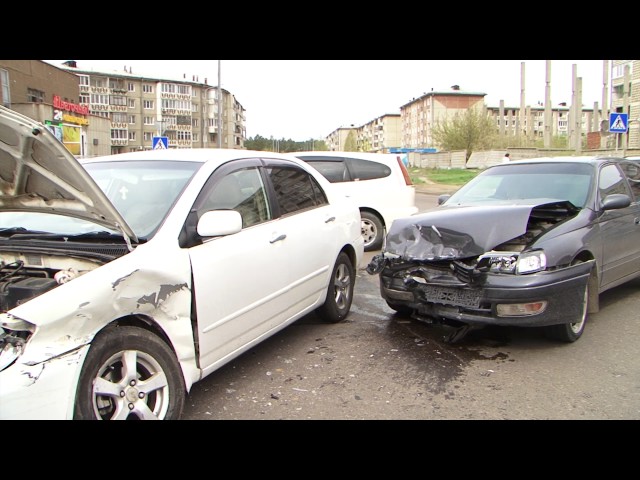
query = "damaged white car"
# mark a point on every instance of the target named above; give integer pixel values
(126, 279)
(530, 243)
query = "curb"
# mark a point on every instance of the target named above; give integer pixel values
(436, 188)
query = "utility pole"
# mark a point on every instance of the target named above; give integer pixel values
(625, 105)
(604, 128)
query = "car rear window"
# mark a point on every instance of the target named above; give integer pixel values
(367, 170)
(334, 171)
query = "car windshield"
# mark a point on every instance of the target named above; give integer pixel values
(142, 191)
(527, 183)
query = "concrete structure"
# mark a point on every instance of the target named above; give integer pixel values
(421, 115)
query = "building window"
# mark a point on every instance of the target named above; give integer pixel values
(168, 88)
(147, 104)
(196, 137)
(85, 98)
(195, 122)
(147, 136)
(118, 117)
(132, 136)
(6, 94)
(149, 121)
(83, 80)
(118, 100)
(147, 88)
(117, 134)
(131, 87)
(131, 102)
(132, 119)
(34, 95)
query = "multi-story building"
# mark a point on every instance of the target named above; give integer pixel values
(337, 139)
(632, 108)
(101, 113)
(143, 107)
(534, 117)
(421, 115)
(50, 95)
(418, 117)
(380, 134)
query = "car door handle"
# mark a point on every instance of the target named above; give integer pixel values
(278, 238)
(330, 219)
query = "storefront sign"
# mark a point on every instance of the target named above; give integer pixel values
(69, 107)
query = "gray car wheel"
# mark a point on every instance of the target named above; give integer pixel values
(130, 374)
(372, 231)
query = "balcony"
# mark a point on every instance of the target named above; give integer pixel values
(119, 142)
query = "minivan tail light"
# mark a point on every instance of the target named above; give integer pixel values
(405, 172)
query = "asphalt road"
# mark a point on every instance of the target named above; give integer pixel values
(377, 365)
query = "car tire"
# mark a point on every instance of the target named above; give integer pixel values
(120, 363)
(372, 231)
(337, 305)
(570, 332)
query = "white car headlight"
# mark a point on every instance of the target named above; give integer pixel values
(530, 262)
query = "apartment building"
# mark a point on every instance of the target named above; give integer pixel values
(627, 101)
(418, 117)
(142, 108)
(102, 113)
(337, 139)
(380, 134)
(421, 115)
(534, 120)
(50, 95)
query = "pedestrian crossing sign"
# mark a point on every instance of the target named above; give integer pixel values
(160, 143)
(618, 123)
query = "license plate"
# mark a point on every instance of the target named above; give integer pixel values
(452, 296)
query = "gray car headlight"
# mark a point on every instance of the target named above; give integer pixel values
(530, 262)
(513, 262)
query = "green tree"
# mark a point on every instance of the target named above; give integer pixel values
(471, 130)
(350, 144)
(263, 144)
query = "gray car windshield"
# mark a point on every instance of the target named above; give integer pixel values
(527, 183)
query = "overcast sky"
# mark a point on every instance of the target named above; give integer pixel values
(304, 99)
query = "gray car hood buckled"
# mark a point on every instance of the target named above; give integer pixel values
(39, 174)
(456, 232)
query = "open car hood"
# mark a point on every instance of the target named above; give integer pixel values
(458, 232)
(39, 174)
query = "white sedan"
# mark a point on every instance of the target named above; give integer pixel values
(126, 279)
